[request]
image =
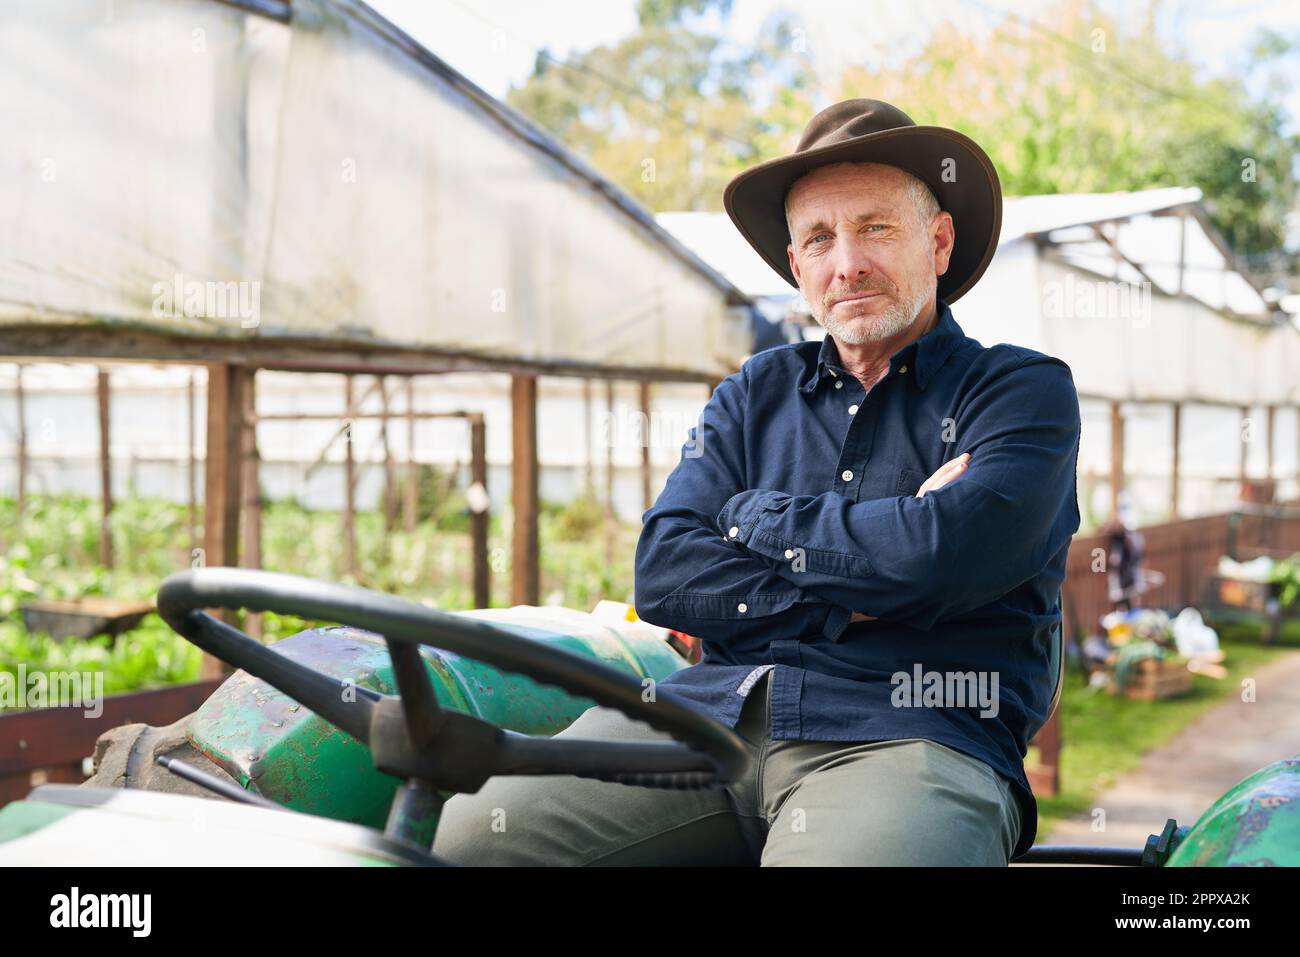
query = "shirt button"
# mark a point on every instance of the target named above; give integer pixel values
(839, 384)
(742, 608)
(734, 531)
(846, 475)
(853, 410)
(902, 369)
(789, 553)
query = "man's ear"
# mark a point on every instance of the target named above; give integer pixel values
(942, 236)
(794, 266)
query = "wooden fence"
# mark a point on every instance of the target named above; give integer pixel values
(1186, 552)
(50, 744)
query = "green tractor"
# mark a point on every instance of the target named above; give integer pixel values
(340, 745)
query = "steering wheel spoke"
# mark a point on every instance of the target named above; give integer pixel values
(419, 703)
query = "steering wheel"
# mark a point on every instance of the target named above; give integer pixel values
(410, 735)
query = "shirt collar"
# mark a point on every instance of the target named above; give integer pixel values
(924, 356)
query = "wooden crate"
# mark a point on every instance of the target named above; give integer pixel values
(84, 617)
(1152, 679)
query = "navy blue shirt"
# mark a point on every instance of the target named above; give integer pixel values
(794, 505)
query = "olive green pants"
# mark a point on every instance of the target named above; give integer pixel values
(836, 803)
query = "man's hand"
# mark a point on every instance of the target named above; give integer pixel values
(942, 476)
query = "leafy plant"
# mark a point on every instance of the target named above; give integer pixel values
(52, 553)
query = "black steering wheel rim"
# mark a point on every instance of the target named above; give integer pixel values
(709, 753)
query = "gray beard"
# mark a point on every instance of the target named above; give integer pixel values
(892, 321)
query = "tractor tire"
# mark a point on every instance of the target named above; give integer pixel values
(125, 757)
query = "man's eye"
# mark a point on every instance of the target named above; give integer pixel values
(875, 226)
(820, 236)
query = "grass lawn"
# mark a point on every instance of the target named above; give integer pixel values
(1105, 736)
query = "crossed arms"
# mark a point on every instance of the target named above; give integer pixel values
(801, 565)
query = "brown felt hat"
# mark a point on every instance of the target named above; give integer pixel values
(958, 172)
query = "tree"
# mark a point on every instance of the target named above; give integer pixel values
(668, 112)
(1085, 105)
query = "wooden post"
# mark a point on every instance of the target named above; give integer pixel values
(647, 494)
(1116, 456)
(1046, 777)
(22, 440)
(349, 483)
(252, 489)
(479, 518)
(1271, 413)
(1174, 481)
(588, 463)
(1182, 251)
(390, 465)
(193, 463)
(412, 470)
(526, 582)
(610, 433)
(105, 471)
(222, 480)
(1245, 448)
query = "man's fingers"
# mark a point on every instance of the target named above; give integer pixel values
(944, 474)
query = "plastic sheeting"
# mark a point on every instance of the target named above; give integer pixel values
(190, 167)
(1124, 344)
(1071, 297)
(1064, 298)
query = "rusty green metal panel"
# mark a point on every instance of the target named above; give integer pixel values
(1257, 823)
(277, 748)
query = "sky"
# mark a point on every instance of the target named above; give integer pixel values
(494, 42)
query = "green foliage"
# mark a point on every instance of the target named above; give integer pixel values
(665, 12)
(437, 498)
(668, 113)
(53, 552)
(149, 655)
(1070, 100)
(580, 519)
(1287, 573)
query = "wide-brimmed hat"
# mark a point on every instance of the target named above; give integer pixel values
(958, 172)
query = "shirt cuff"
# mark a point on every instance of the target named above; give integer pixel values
(742, 511)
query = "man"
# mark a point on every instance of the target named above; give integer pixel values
(867, 534)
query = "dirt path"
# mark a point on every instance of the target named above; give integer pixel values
(1183, 777)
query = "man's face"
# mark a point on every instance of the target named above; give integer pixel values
(864, 260)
